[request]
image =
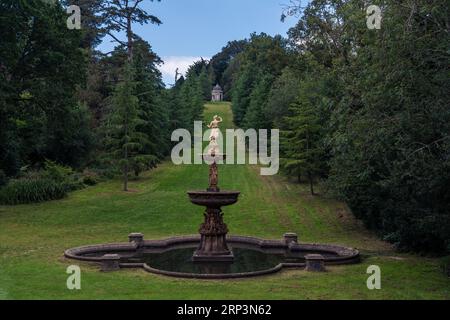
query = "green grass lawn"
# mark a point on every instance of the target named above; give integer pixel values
(34, 237)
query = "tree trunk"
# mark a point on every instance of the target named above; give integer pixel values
(130, 39)
(311, 184)
(125, 179)
(130, 59)
(125, 169)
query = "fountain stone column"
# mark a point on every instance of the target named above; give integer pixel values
(213, 231)
(213, 244)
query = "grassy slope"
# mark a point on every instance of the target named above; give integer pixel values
(33, 238)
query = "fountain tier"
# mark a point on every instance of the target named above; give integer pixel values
(213, 245)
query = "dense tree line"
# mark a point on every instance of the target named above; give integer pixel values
(42, 65)
(62, 100)
(366, 111)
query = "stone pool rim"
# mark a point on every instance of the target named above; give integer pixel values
(344, 255)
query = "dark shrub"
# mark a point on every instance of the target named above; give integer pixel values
(90, 178)
(31, 190)
(62, 174)
(56, 172)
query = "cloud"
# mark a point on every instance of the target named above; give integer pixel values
(171, 63)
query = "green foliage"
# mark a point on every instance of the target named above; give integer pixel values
(389, 128)
(90, 178)
(370, 114)
(141, 163)
(136, 130)
(60, 174)
(123, 140)
(186, 98)
(303, 153)
(282, 94)
(205, 83)
(219, 67)
(192, 103)
(242, 89)
(41, 67)
(255, 116)
(152, 110)
(91, 22)
(56, 172)
(263, 57)
(31, 190)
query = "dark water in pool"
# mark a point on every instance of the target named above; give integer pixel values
(180, 260)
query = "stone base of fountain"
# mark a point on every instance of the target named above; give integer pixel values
(252, 256)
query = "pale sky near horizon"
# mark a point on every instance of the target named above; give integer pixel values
(200, 28)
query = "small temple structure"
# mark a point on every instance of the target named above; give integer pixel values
(217, 93)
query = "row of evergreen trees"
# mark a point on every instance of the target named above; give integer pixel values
(365, 111)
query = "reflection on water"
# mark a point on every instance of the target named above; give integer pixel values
(245, 260)
(180, 260)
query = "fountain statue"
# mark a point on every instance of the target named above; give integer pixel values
(214, 126)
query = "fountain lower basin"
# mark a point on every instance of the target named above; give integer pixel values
(172, 256)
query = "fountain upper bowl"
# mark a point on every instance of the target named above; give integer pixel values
(213, 199)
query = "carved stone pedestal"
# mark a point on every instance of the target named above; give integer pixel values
(213, 245)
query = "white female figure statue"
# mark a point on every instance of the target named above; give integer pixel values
(214, 126)
(213, 151)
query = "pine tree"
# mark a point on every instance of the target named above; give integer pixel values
(191, 102)
(125, 142)
(301, 143)
(151, 106)
(256, 116)
(205, 83)
(120, 15)
(241, 93)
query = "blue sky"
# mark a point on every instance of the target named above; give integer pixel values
(200, 28)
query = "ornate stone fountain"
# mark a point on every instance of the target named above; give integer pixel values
(213, 254)
(213, 231)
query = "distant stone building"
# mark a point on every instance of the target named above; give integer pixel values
(217, 93)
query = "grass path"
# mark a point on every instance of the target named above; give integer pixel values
(33, 238)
